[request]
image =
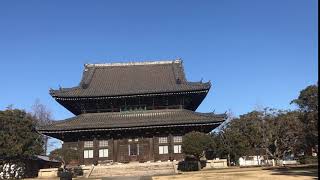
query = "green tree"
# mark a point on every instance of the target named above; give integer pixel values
(18, 137)
(65, 155)
(233, 142)
(308, 107)
(308, 99)
(250, 126)
(268, 132)
(283, 134)
(271, 132)
(195, 144)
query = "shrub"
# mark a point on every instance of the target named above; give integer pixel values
(74, 171)
(189, 166)
(77, 171)
(12, 170)
(308, 160)
(191, 163)
(203, 163)
(66, 175)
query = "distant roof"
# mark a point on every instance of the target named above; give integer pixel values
(132, 120)
(46, 158)
(132, 78)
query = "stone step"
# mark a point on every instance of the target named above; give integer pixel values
(135, 169)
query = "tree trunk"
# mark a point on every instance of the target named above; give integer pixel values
(229, 159)
(45, 145)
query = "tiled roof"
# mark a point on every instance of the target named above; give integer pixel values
(116, 79)
(133, 119)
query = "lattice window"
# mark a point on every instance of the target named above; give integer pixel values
(163, 149)
(103, 143)
(103, 152)
(88, 144)
(133, 149)
(163, 140)
(88, 154)
(177, 139)
(177, 149)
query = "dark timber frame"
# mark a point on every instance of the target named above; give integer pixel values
(131, 106)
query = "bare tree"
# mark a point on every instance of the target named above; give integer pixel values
(43, 117)
(230, 116)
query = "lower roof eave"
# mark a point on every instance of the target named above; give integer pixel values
(68, 97)
(126, 128)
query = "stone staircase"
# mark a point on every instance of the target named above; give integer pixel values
(134, 169)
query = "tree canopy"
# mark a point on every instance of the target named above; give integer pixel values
(18, 136)
(269, 132)
(195, 143)
(308, 108)
(65, 155)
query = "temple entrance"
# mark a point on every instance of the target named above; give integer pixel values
(133, 151)
(130, 150)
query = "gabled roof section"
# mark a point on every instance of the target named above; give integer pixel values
(117, 79)
(133, 119)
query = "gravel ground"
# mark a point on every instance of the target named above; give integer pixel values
(287, 173)
(303, 173)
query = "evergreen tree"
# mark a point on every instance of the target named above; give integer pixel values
(308, 107)
(195, 144)
(18, 137)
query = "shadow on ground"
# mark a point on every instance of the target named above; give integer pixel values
(128, 178)
(311, 171)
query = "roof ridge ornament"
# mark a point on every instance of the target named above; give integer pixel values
(134, 63)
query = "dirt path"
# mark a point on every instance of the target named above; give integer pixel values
(247, 174)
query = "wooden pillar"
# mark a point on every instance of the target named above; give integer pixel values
(115, 150)
(95, 150)
(80, 146)
(170, 146)
(79, 151)
(151, 149)
(155, 148)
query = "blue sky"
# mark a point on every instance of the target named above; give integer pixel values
(255, 52)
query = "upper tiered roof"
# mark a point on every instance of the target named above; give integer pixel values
(134, 78)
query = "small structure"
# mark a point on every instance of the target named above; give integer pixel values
(257, 160)
(137, 111)
(27, 168)
(216, 163)
(40, 162)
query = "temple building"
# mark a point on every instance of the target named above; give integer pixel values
(137, 111)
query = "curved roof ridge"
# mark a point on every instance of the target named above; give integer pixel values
(133, 63)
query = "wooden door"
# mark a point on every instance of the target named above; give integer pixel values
(133, 151)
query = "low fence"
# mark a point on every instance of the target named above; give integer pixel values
(271, 162)
(118, 169)
(287, 162)
(218, 163)
(48, 173)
